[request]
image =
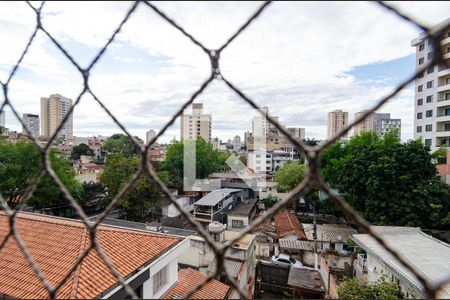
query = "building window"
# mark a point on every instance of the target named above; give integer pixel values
(429, 99)
(421, 60)
(429, 84)
(428, 142)
(419, 115)
(430, 70)
(419, 101)
(420, 88)
(420, 75)
(429, 127)
(419, 128)
(430, 55)
(237, 223)
(421, 47)
(159, 280)
(429, 113)
(332, 246)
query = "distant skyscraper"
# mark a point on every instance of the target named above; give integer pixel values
(196, 124)
(150, 135)
(53, 110)
(432, 92)
(237, 143)
(32, 123)
(2, 119)
(337, 120)
(381, 123)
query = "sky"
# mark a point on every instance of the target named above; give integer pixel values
(301, 59)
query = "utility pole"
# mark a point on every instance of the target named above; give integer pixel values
(316, 258)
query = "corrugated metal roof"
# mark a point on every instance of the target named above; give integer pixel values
(430, 257)
(215, 197)
(336, 233)
(233, 267)
(295, 244)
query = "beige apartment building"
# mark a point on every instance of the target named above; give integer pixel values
(337, 120)
(53, 110)
(380, 123)
(196, 124)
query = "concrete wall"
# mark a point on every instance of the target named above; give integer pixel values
(198, 254)
(230, 218)
(376, 269)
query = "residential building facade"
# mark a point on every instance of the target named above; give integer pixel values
(337, 120)
(196, 124)
(380, 123)
(31, 122)
(53, 110)
(432, 93)
(149, 135)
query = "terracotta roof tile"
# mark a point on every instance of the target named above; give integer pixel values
(287, 223)
(189, 278)
(55, 245)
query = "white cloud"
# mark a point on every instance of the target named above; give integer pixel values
(294, 58)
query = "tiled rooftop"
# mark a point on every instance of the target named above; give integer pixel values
(189, 278)
(56, 243)
(287, 223)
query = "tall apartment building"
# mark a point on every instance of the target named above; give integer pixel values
(2, 119)
(432, 93)
(150, 135)
(381, 123)
(196, 124)
(31, 123)
(337, 120)
(53, 110)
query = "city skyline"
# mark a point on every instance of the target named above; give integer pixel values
(153, 78)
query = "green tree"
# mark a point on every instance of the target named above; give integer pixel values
(390, 183)
(208, 161)
(19, 164)
(81, 149)
(145, 195)
(289, 176)
(92, 191)
(121, 144)
(311, 142)
(270, 201)
(353, 289)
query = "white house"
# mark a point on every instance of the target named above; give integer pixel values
(429, 256)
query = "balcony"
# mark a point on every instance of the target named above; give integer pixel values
(445, 41)
(443, 102)
(443, 71)
(441, 117)
(442, 132)
(443, 87)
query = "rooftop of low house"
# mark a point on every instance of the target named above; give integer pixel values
(243, 243)
(306, 278)
(244, 208)
(214, 197)
(56, 243)
(429, 256)
(189, 279)
(334, 233)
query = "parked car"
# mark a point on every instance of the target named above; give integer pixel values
(286, 260)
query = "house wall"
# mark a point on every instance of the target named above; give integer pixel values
(376, 269)
(172, 211)
(172, 278)
(198, 254)
(230, 218)
(86, 177)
